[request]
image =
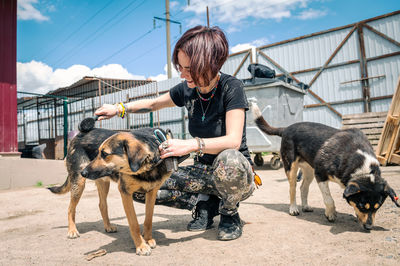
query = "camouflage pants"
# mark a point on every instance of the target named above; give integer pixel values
(230, 178)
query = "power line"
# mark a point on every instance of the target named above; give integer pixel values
(126, 46)
(151, 50)
(78, 29)
(93, 36)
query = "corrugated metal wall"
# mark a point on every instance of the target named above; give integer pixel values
(350, 69)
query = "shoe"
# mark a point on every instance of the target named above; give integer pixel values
(230, 227)
(203, 214)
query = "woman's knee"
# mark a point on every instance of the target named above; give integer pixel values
(229, 157)
(231, 164)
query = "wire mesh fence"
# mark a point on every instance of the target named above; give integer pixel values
(51, 118)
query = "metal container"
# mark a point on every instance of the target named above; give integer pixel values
(281, 104)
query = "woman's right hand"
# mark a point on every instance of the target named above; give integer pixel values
(107, 111)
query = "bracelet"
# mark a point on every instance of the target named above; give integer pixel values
(201, 145)
(123, 112)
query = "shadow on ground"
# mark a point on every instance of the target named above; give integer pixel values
(344, 222)
(122, 238)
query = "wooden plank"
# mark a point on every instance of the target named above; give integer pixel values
(361, 126)
(370, 131)
(389, 139)
(374, 142)
(394, 158)
(364, 121)
(382, 160)
(373, 137)
(365, 115)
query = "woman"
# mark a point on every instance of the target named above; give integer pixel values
(222, 173)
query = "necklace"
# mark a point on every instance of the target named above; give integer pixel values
(209, 98)
(203, 117)
(204, 112)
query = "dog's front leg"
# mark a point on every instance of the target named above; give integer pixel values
(330, 211)
(308, 176)
(292, 178)
(103, 187)
(148, 221)
(141, 247)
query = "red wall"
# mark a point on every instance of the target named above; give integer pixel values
(8, 77)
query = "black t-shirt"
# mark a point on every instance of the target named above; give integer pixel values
(229, 95)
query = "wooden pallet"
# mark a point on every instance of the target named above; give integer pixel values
(388, 150)
(371, 124)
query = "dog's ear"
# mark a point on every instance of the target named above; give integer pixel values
(390, 192)
(351, 189)
(136, 153)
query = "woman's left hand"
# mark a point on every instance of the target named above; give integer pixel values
(176, 147)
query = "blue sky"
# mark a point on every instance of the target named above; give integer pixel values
(60, 41)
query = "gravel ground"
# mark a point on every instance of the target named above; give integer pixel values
(33, 230)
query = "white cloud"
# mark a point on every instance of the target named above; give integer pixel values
(245, 46)
(173, 5)
(237, 11)
(311, 14)
(164, 76)
(26, 11)
(38, 77)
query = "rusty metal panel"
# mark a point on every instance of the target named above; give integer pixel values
(8, 88)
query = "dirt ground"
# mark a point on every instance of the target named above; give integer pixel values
(33, 230)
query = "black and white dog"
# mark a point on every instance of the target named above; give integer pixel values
(343, 156)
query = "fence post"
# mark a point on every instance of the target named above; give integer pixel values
(65, 105)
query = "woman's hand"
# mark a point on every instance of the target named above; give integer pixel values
(107, 111)
(177, 147)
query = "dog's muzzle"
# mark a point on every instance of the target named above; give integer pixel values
(85, 173)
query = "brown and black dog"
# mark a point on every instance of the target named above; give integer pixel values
(132, 159)
(342, 156)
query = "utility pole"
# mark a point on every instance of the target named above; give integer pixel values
(167, 23)
(168, 39)
(208, 18)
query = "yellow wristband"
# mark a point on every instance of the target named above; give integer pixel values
(123, 112)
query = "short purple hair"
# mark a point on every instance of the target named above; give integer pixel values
(207, 49)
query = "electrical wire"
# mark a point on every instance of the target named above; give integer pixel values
(78, 29)
(126, 46)
(93, 36)
(175, 38)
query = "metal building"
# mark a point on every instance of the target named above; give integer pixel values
(350, 69)
(8, 78)
(52, 117)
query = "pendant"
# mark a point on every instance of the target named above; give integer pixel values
(202, 118)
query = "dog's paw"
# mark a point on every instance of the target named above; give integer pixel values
(307, 208)
(143, 250)
(293, 210)
(331, 216)
(73, 234)
(110, 229)
(152, 243)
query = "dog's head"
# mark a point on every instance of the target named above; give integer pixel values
(366, 197)
(121, 153)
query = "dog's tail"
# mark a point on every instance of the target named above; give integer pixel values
(87, 124)
(261, 123)
(64, 188)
